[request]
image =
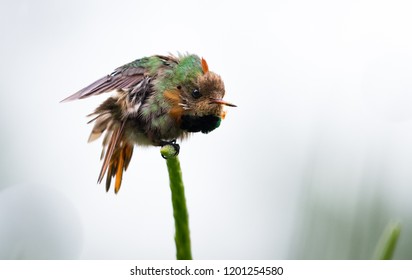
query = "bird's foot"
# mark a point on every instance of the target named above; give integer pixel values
(172, 143)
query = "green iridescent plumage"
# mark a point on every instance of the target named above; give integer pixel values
(185, 72)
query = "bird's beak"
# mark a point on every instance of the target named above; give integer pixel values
(221, 102)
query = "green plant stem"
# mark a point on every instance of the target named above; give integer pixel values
(182, 232)
(387, 243)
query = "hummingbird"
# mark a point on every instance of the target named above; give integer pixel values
(158, 99)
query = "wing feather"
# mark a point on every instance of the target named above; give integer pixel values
(120, 79)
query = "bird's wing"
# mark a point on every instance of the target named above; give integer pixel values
(123, 78)
(127, 77)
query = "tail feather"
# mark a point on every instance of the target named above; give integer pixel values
(109, 177)
(101, 124)
(119, 172)
(117, 154)
(128, 152)
(118, 164)
(114, 142)
(117, 150)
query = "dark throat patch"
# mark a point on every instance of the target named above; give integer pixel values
(205, 124)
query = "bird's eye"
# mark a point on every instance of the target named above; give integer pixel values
(196, 94)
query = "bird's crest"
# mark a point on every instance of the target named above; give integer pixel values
(205, 67)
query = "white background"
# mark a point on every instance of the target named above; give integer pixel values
(313, 163)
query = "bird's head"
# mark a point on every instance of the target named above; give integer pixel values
(203, 94)
(202, 101)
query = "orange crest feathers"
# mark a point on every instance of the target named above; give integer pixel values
(205, 67)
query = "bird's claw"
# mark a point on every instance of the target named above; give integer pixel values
(172, 143)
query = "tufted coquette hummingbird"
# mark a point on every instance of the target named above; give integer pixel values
(158, 99)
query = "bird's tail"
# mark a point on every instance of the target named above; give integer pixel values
(117, 151)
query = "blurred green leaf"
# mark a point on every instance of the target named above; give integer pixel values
(387, 243)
